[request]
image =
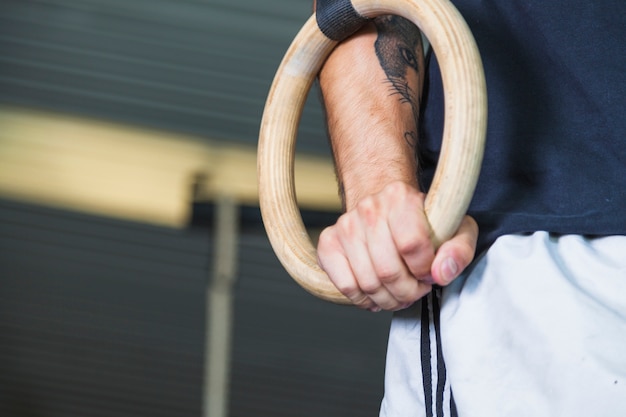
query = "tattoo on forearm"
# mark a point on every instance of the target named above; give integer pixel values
(399, 51)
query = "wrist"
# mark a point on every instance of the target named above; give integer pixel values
(355, 187)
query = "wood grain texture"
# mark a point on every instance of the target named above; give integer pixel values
(463, 138)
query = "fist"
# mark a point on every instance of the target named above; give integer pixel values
(380, 254)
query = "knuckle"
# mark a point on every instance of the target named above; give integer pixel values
(397, 188)
(406, 297)
(346, 225)
(411, 245)
(401, 296)
(409, 292)
(415, 199)
(368, 210)
(371, 288)
(351, 293)
(349, 289)
(401, 191)
(327, 242)
(387, 275)
(366, 204)
(326, 237)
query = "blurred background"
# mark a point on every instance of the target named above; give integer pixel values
(135, 274)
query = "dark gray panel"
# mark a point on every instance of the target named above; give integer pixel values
(195, 67)
(98, 317)
(103, 317)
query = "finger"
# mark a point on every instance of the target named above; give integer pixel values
(352, 236)
(455, 254)
(390, 268)
(332, 259)
(411, 233)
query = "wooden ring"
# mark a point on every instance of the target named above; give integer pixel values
(462, 144)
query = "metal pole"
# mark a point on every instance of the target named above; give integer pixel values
(219, 310)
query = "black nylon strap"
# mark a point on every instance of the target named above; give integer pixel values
(426, 356)
(337, 19)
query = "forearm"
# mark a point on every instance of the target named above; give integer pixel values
(371, 85)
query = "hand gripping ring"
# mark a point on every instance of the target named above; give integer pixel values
(462, 144)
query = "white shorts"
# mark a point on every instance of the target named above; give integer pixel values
(537, 327)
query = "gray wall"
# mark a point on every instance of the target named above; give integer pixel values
(202, 67)
(101, 317)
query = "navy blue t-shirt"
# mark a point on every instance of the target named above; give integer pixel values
(555, 156)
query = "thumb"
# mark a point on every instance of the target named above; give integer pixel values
(455, 254)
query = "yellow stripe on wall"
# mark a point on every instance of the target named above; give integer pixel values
(133, 173)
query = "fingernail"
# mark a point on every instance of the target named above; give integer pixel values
(449, 270)
(375, 309)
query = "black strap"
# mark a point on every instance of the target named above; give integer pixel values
(337, 19)
(441, 364)
(427, 376)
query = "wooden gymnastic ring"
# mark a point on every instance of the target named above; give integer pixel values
(462, 144)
